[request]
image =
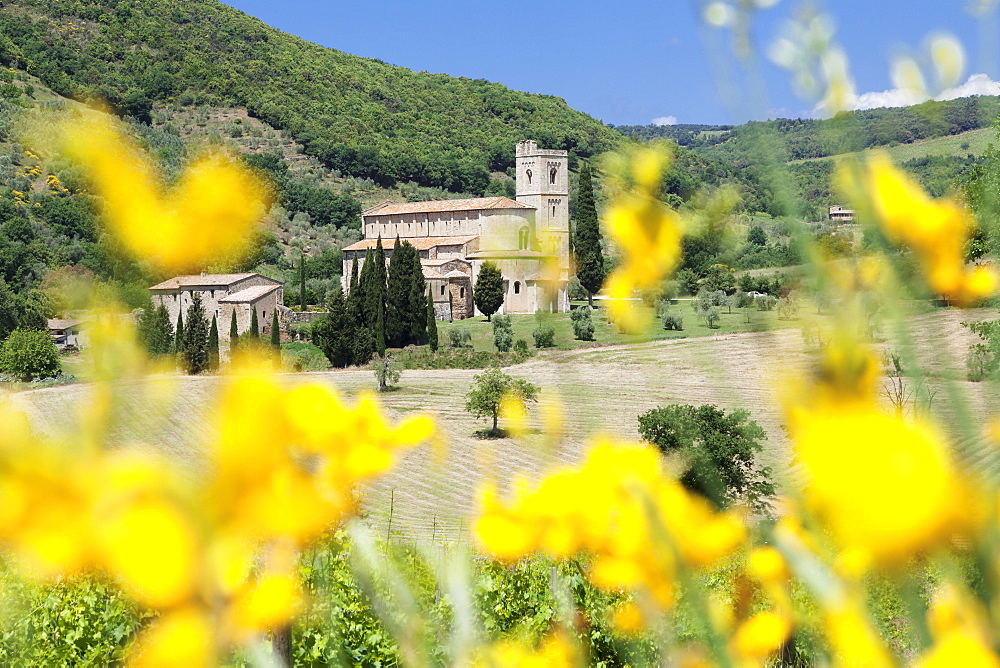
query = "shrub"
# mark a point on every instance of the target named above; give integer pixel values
(503, 333)
(544, 336)
(459, 336)
(720, 450)
(583, 324)
(28, 354)
(742, 300)
(673, 321)
(521, 346)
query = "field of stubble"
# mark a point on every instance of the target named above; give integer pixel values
(432, 492)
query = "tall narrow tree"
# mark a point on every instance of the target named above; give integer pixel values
(179, 334)
(213, 344)
(275, 331)
(302, 281)
(587, 244)
(432, 330)
(254, 331)
(195, 343)
(416, 303)
(397, 315)
(234, 333)
(358, 299)
(375, 296)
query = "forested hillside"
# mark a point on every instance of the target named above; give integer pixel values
(758, 152)
(804, 138)
(360, 116)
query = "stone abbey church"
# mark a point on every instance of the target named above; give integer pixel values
(527, 238)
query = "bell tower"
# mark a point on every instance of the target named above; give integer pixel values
(543, 183)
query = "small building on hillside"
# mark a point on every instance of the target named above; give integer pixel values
(221, 295)
(526, 237)
(66, 333)
(838, 214)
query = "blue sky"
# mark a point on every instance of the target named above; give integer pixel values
(632, 61)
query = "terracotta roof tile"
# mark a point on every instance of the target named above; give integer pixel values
(420, 243)
(444, 205)
(200, 279)
(251, 294)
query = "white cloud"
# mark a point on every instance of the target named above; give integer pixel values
(664, 120)
(976, 84)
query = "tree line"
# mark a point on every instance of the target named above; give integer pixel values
(384, 307)
(194, 340)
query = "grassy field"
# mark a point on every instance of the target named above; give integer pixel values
(601, 390)
(973, 142)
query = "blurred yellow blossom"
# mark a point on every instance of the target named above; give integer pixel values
(553, 652)
(643, 226)
(886, 487)
(218, 560)
(206, 218)
(936, 230)
(619, 506)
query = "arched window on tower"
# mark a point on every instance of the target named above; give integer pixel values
(461, 293)
(522, 238)
(552, 175)
(517, 287)
(528, 174)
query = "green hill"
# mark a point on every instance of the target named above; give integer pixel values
(359, 116)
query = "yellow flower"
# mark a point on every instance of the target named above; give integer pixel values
(761, 635)
(619, 506)
(183, 637)
(885, 486)
(959, 649)
(647, 231)
(206, 218)
(935, 230)
(554, 652)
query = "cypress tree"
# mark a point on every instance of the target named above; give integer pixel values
(155, 331)
(416, 305)
(302, 281)
(234, 333)
(432, 329)
(179, 335)
(397, 315)
(275, 331)
(380, 332)
(254, 332)
(587, 244)
(196, 358)
(334, 333)
(213, 344)
(360, 301)
(375, 297)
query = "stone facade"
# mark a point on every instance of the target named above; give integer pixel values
(527, 238)
(221, 294)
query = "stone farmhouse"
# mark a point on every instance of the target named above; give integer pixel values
(221, 294)
(527, 238)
